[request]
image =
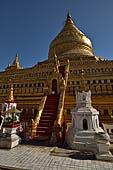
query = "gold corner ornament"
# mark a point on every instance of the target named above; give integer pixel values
(10, 93)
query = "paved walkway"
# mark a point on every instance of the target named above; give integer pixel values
(31, 157)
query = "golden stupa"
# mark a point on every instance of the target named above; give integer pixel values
(49, 87)
(70, 41)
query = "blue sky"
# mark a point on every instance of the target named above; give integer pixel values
(28, 26)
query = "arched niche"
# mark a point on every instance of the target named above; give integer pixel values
(85, 124)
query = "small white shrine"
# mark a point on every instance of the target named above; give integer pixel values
(10, 122)
(84, 116)
(85, 133)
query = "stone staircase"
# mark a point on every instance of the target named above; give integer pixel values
(47, 118)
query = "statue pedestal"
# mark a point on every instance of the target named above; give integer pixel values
(9, 138)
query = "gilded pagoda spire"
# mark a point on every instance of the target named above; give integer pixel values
(70, 41)
(69, 19)
(15, 65)
(68, 14)
(16, 62)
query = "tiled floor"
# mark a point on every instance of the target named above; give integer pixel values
(32, 157)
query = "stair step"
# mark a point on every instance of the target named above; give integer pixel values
(52, 99)
(46, 121)
(48, 109)
(45, 124)
(48, 114)
(50, 106)
(42, 133)
(47, 118)
(41, 137)
(42, 128)
(52, 95)
(51, 103)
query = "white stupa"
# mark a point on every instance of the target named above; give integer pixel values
(85, 133)
(10, 122)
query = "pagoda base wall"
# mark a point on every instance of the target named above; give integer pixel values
(8, 138)
(9, 141)
(83, 140)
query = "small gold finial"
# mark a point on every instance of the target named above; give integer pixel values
(16, 59)
(69, 19)
(68, 14)
(16, 62)
(9, 64)
(82, 81)
(68, 61)
(16, 55)
(56, 64)
(22, 66)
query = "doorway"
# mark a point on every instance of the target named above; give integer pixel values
(54, 86)
(85, 125)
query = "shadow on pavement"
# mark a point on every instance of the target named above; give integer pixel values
(83, 156)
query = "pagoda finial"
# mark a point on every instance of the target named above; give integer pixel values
(69, 19)
(68, 14)
(16, 59)
(10, 97)
(16, 62)
(9, 64)
(22, 66)
(16, 55)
